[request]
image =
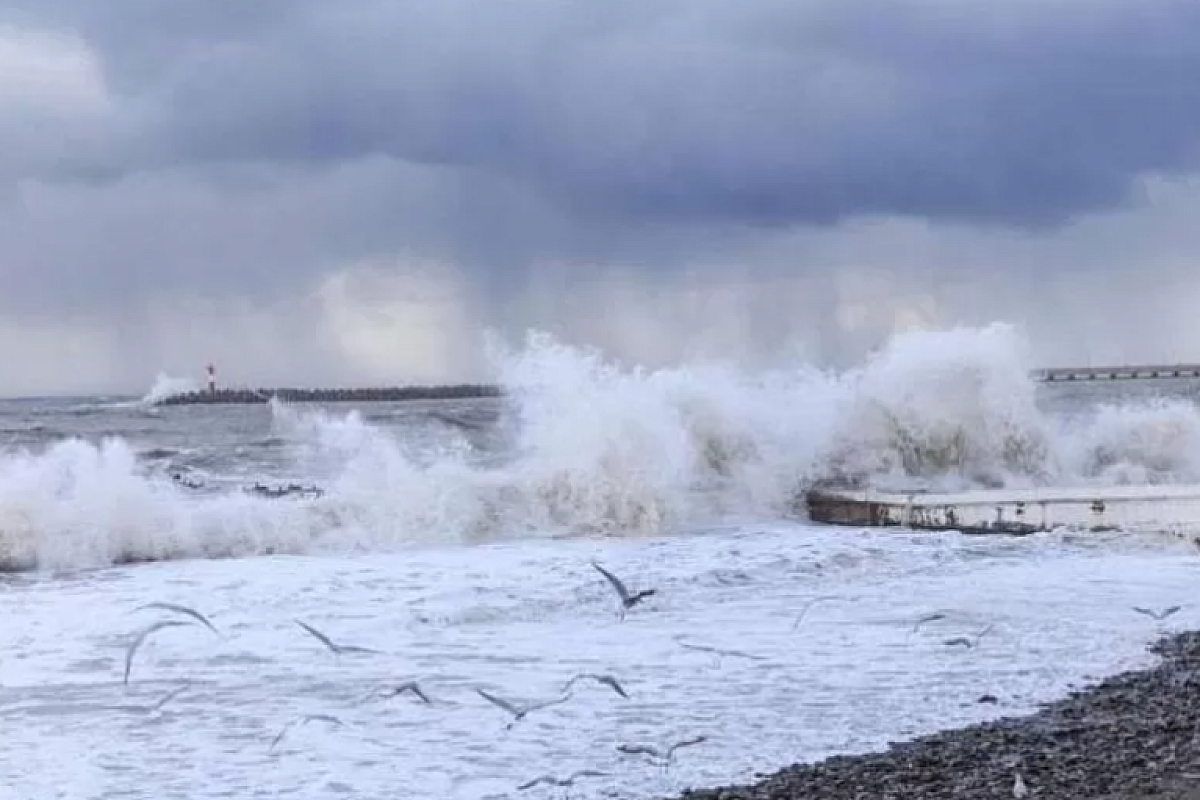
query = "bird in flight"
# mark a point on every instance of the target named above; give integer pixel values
(964, 641)
(394, 691)
(179, 609)
(519, 713)
(1157, 615)
(607, 680)
(335, 648)
(628, 600)
(304, 721)
(562, 782)
(663, 756)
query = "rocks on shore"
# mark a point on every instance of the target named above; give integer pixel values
(1136, 735)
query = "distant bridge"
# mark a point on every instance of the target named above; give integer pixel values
(1149, 372)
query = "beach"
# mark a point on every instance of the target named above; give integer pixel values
(1130, 736)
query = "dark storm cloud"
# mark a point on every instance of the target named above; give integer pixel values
(763, 112)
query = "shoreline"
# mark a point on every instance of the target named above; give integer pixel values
(1131, 736)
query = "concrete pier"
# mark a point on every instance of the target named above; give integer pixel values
(1167, 509)
(366, 395)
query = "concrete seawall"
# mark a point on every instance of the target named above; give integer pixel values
(369, 395)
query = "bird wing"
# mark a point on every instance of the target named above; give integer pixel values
(136, 644)
(614, 580)
(500, 702)
(1145, 611)
(322, 638)
(170, 696)
(586, 773)
(685, 743)
(1169, 611)
(640, 750)
(178, 609)
(609, 680)
(412, 686)
(535, 782)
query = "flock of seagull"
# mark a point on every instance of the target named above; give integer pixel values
(661, 756)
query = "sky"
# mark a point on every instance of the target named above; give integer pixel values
(315, 192)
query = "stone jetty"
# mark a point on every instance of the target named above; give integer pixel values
(366, 395)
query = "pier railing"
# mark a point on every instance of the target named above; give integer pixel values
(1128, 373)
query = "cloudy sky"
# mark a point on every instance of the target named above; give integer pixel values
(354, 191)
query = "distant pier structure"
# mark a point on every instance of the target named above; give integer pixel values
(1148, 372)
(387, 394)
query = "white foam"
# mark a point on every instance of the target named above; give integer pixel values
(599, 448)
(521, 619)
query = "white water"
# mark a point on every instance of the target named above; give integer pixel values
(519, 620)
(166, 386)
(689, 471)
(599, 449)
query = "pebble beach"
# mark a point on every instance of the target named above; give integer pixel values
(1131, 736)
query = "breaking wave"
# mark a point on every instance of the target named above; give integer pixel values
(590, 447)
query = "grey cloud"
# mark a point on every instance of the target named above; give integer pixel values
(751, 113)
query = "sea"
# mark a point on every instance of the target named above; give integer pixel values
(459, 545)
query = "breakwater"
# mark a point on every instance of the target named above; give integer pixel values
(385, 394)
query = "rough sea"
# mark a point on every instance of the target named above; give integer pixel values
(454, 544)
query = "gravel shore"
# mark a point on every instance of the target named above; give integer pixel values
(1133, 736)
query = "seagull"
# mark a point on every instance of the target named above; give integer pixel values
(567, 781)
(1157, 615)
(966, 642)
(1019, 789)
(520, 713)
(628, 600)
(607, 680)
(178, 609)
(141, 637)
(337, 649)
(661, 755)
(394, 691)
(808, 607)
(304, 721)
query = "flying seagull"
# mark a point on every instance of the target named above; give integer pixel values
(607, 680)
(517, 712)
(141, 638)
(399, 689)
(965, 641)
(567, 781)
(1157, 615)
(178, 609)
(304, 721)
(664, 756)
(628, 600)
(337, 649)
(808, 607)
